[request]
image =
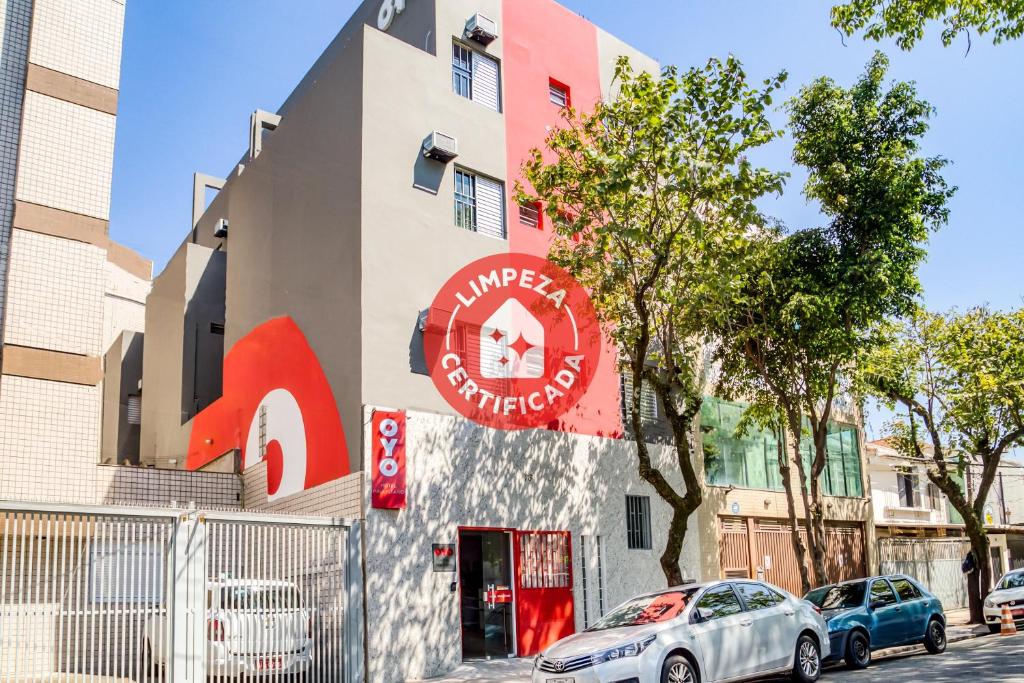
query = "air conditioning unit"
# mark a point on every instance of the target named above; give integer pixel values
(440, 147)
(481, 29)
(220, 230)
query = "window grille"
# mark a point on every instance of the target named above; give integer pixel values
(638, 522)
(558, 94)
(462, 71)
(465, 200)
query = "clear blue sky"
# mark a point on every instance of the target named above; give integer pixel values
(194, 70)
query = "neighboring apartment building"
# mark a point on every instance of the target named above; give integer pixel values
(919, 531)
(745, 514)
(67, 291)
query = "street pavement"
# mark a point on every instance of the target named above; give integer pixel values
(977, 660)
(973, 660)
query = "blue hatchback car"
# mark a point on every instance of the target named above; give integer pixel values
(878, 612)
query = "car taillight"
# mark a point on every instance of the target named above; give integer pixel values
(215, 630)
(816, 609)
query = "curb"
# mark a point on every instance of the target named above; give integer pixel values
(950, 639)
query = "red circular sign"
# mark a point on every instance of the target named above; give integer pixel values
(512, 341)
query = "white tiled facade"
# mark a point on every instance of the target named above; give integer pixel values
(81, 38)
(15, 19)
(67, 153)
(124, 305)
(55, 294)
(49, 439)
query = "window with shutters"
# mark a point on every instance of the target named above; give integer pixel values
(479, 204)
(906, 484)
(135, 410)
(638, 522)
(648, 399)
(530, 215)
(558, 93)
(475, 76)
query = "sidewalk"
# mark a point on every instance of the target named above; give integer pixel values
(493, 671)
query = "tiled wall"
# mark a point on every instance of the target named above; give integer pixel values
(338, 498)
(49, 439)
(79, 37)
(55, 294)
(124, 306)
(67, 153)
(15, 18)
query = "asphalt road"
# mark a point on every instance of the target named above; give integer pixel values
(978, 660)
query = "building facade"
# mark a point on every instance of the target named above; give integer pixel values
(67, 290)
(284, 341)
(920, 533)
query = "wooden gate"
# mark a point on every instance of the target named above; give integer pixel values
(763, 548)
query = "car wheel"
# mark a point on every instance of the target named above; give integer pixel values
(678, 669)
(995, 628)
(858, 651)
(935, 637)
(807, 664)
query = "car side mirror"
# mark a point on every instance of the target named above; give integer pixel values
(704, 614)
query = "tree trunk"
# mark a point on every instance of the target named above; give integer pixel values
(979, 582)
(787, 484)
(813, 541)
(674, 547)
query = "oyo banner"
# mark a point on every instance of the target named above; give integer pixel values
(388, 448)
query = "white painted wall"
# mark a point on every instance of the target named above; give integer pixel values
(460, 474)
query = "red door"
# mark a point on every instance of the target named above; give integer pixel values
(544, 610)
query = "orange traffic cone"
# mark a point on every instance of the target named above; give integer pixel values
(1007, 627)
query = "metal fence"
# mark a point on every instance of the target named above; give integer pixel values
(935, 562)
(171, 595)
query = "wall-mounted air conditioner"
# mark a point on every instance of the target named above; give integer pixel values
(441, 147)
(220, 230)
(481, 29)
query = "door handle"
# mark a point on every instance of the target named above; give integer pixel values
(746, 622)
(898, 608)
(790, 613)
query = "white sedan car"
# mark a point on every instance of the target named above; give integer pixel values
(1009, 591)
(719, 631)
(254, 628)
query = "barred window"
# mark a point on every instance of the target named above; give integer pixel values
(462, 71)
(465, 200)
(529, 215)
(648, 399)
(638, 522)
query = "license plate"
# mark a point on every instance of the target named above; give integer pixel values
(268, 663)
(561, 680)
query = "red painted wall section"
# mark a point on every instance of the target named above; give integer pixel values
(543, 42)
(274, 366)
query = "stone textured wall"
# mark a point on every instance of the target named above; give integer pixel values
(460, 474)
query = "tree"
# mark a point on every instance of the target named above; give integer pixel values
(960, 378)
(650, 195)
(811, 302)
(905, 20)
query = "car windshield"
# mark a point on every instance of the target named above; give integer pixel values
(647, 609)
(842, 596)
(261, 598)
(1015, 580)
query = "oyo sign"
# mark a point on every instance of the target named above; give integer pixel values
(388, 475)
(389, 9)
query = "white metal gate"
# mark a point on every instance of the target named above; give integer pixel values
(177, 596)
(935, 562)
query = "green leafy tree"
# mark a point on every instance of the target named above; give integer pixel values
(905, 20)
(960, 379)
(811, 300)
(650, 195)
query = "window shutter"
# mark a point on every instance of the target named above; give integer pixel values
(485, 81)
(134, 410)
(490, 202)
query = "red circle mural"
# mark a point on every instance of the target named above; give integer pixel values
(512, 341)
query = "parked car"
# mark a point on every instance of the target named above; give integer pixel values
(719, 631)
(878, 612)
(253, 628)
(1009, 591)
